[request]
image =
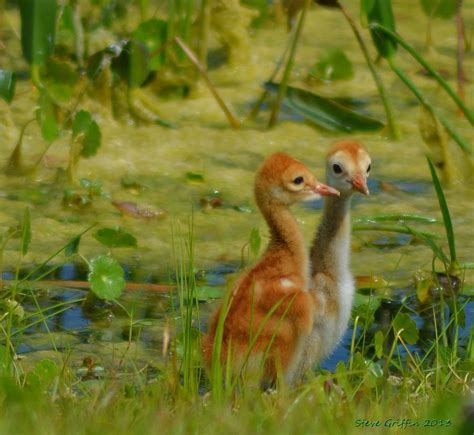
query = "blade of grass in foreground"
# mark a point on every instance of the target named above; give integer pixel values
(448, 224)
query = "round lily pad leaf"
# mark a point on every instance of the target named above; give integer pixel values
(106, 277)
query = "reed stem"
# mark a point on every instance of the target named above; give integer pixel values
(394, 131)
(288, 67)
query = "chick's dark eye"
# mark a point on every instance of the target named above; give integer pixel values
(298, 180)
(336, 168)
(368, 168)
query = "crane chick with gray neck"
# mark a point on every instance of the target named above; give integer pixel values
(332, 285)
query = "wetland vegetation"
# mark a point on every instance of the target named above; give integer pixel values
(130, 133)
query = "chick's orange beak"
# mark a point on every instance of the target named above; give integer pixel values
(359, 183)
(323, 189)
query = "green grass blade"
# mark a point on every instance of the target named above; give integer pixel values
(465, 146)
(443, 205)
(443, 83)
(396, 217)
(392, 228)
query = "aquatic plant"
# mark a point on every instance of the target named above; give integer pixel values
(386, 40)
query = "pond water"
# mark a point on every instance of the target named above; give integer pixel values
(150, 166)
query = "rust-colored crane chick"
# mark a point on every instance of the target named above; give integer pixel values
(270, 310)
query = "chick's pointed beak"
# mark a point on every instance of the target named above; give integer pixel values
(359, 183)
(323, 189)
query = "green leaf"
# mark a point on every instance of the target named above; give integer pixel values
(371, 302)
(106, 277)
(445, 9)
(38, 25)
(133, 64)
(378, 343)
(152, 34)
(72, 247)
(443, 205)
(7, 85)
(26, 232)
(255, 241)
(204, 293)
(115, 237)
(406, 327)
(364, 307)
(85, 125)
(325, 112)
(380, 12)
(46, 118)
(367, 6)
(333, 65)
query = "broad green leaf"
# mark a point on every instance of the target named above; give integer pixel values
(445, 9)
(153, 34)
(255, 241)
(380, 12)
(26, 232)
(367, 301)
(7, 85)
(133, 64)
(404, 323)
(46, 118)
(115, 237)
(325, 112)
(85, 125)
(364, 308)
(378, 343)
(333, 65)
(443, 205)
(38, 24)
(72, 247)
(106, 277)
